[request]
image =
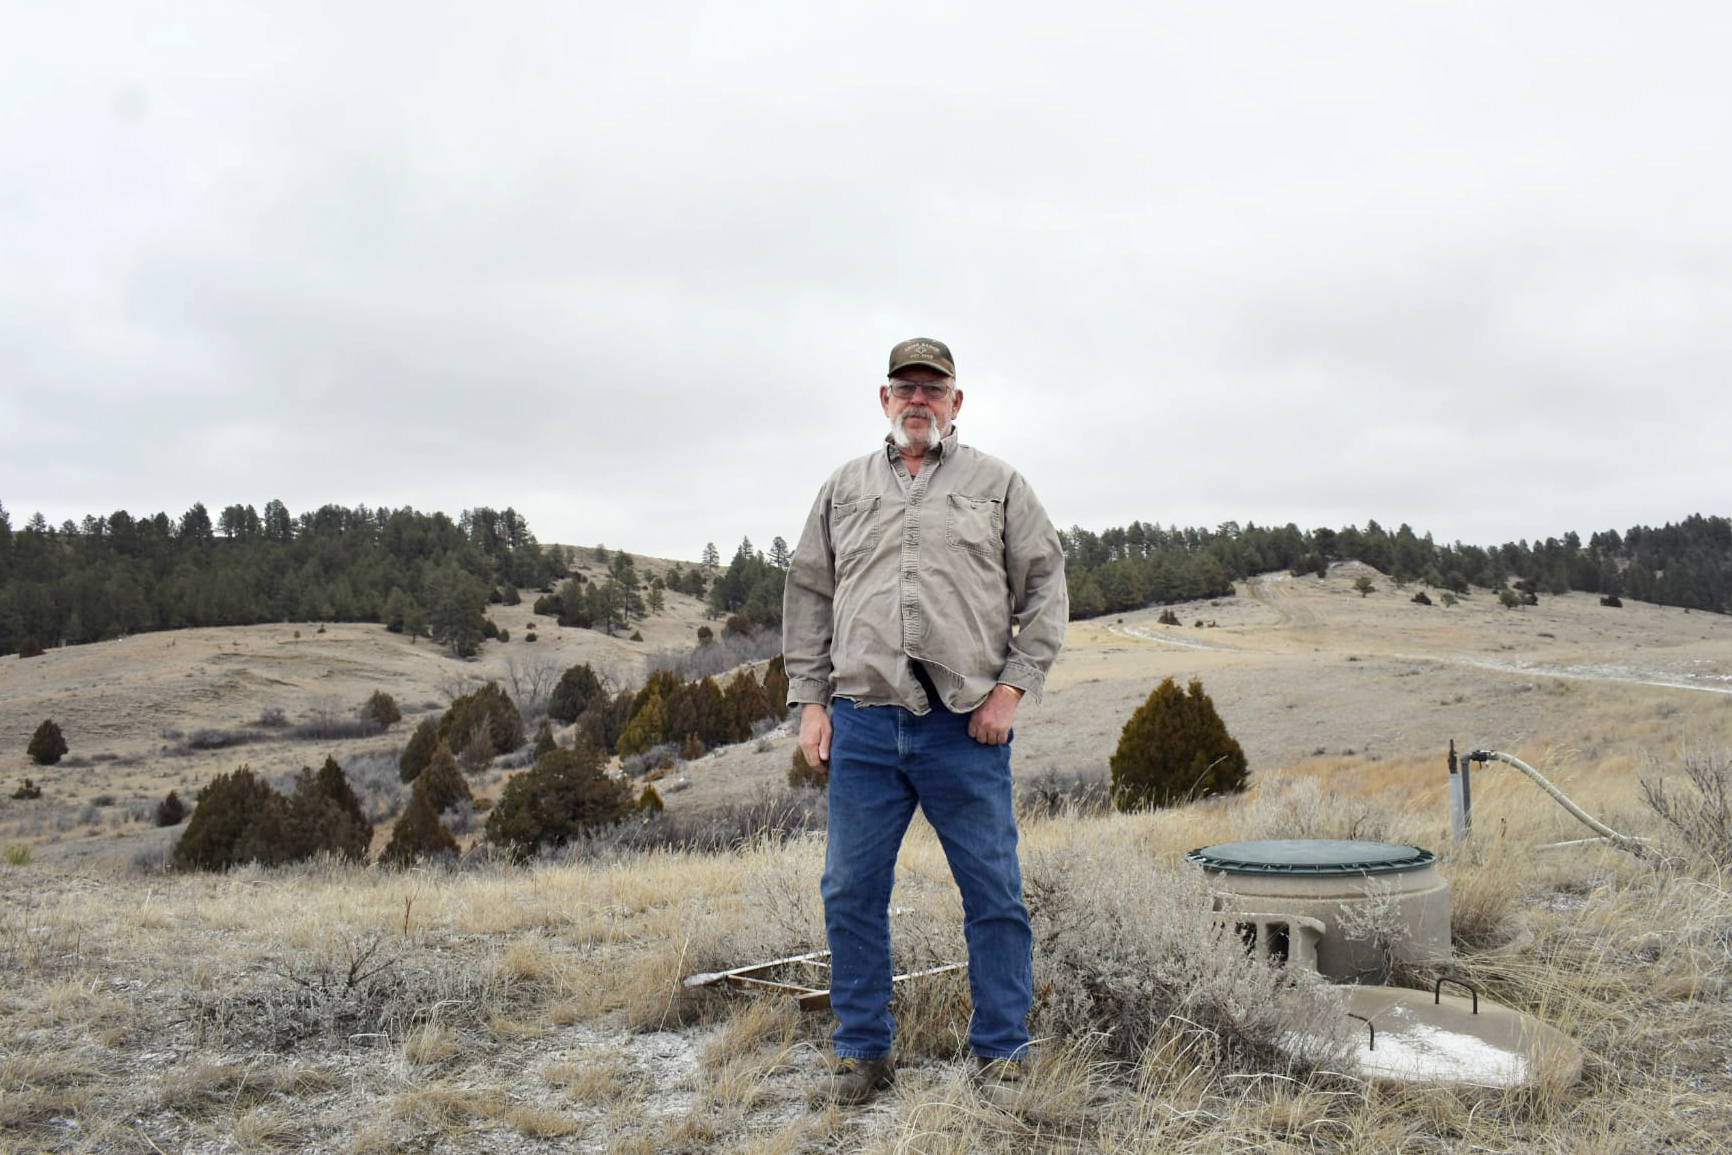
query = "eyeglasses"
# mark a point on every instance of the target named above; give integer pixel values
(931, 390)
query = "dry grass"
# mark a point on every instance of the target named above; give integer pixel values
(491, 1008)
(527, 1008)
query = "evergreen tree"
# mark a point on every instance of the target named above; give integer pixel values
(565, 794)
(544, 740)
(577, 688)
(1175, 748)
(746, 704)
(490, 706)
(776, 687)
(419, 750)
(418, 834)
(603, 723)
(324, 816)
(457, 620)
(47, 745)
(238, 819)
(381, 709)
(171, 811)
(779, 554)
(443, 783)
(648, 727)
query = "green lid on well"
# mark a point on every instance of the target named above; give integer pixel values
(1311, 856)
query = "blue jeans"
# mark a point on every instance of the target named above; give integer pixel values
(885, 760)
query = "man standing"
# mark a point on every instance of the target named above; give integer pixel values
(925, 598)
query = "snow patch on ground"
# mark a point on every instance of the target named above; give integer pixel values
(1411, 1050)
(1605, 672)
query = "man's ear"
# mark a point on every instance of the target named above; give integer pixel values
(955, 403)
(884, 398)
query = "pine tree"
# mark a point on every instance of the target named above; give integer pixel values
(776, 687)
(648, 727)
(577, 688)
(419, 750)
(566, 793)
(443, 783)
(171, 811)
(381, 709)
(418, 834)
(467, 713)
(1175, 748)
(324, 816)
(456, 618)
(747, 703)
(48, 745)
(238, 819)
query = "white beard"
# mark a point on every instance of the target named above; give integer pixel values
(904, 440)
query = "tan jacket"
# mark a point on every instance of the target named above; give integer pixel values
(939, 567)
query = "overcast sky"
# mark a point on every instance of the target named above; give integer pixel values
(635, 269)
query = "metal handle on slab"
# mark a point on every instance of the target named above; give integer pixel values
(1437, 991)
(1370, 1026)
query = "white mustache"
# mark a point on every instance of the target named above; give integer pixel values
(904, 440)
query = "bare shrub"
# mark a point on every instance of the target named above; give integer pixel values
(328, 725)
(215, 739)
(1056, 792)
(1301, 808)
(272, 718)
(460, 817)
(1106, 966)
(373, 776)
(1700, 814)
(519, 759)
(532, 681)
(775, 817)
(719, 656)
(641, 763)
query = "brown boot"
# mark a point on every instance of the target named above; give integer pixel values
(854, 1081)
(1001, 1082)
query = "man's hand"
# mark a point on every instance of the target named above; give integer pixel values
(991, 721)
(815, 735)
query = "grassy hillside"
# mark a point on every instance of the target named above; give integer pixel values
(498, 1008)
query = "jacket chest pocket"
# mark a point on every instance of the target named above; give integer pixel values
(854, 526)
(975, 524)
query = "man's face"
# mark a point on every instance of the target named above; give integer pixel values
(920, 422)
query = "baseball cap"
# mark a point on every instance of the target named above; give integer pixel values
(922, 351)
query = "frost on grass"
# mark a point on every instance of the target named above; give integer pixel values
(1127, 950)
